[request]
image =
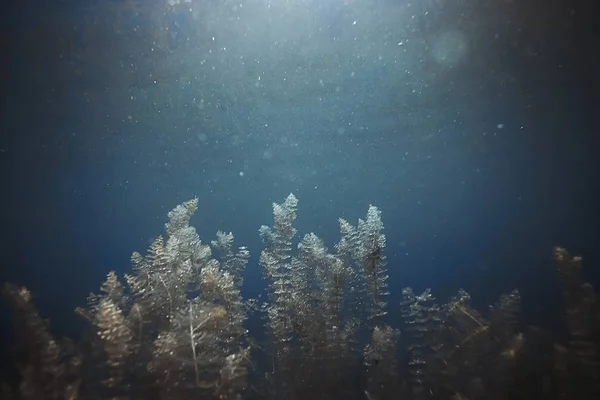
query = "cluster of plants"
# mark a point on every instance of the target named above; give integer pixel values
(175, 328)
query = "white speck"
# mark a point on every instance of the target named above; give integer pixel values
(500, 126)
(241, 173)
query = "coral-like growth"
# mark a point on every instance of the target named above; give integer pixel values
(116, 336)
(48, 368)
(314, 313)
(277, 266)
(230, 262)
(420, 321)
(381, 362)
(362, 248)
(370, 253)
(178, 324)
(578, 363)
(174, 328)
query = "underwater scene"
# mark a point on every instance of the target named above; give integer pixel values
(299, 200)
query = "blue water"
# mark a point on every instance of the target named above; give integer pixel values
(468, 126)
